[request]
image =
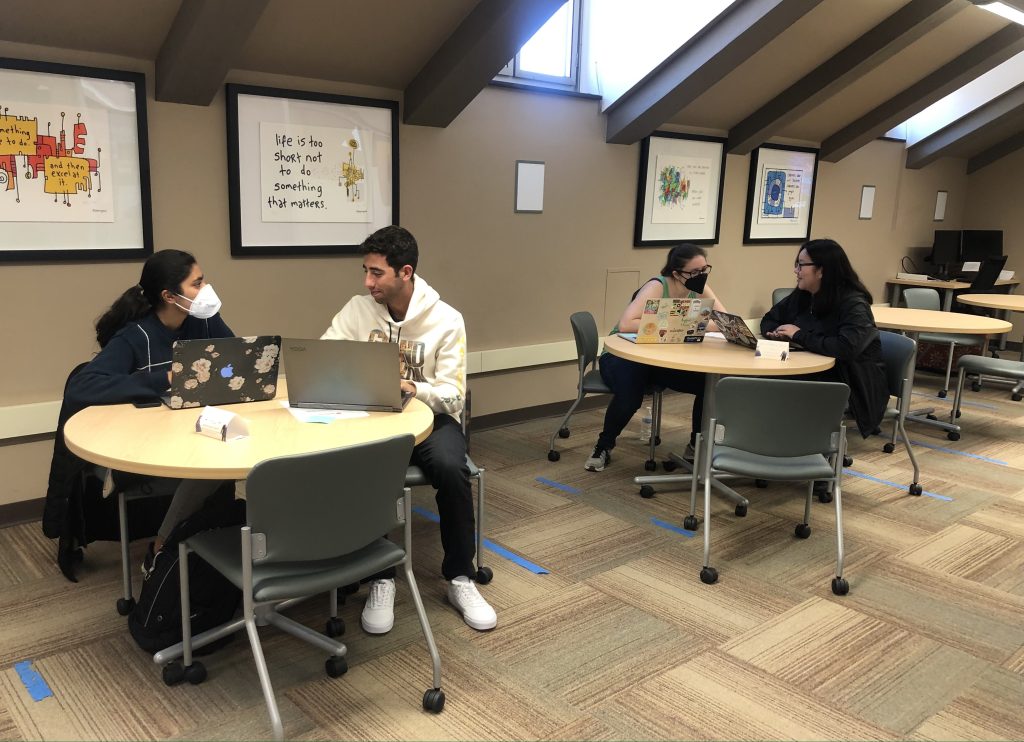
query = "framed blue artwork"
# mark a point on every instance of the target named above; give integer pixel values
(780, 196)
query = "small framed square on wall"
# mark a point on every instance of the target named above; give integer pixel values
(780, 195)
(74, 163)
(309, 173)
(679, 193)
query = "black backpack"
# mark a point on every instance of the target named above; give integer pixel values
(155, 623)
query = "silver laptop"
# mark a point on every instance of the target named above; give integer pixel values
(344, 375)
(223, 371)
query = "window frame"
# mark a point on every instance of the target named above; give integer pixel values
(512, 72)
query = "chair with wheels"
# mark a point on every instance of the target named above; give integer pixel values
(898, 353)
(920, 298)
(780, 294)
(747, 440)
(584, 330)
(416, 477)
(1002, 368)
(306, 534)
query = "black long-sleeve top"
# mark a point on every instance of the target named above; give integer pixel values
(848, 334)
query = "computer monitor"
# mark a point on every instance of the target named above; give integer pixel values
(945, 251)
(979, 244)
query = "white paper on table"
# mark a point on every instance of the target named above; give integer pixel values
(221, 424)
(1005, 275)
(321, 414)
(718, 335)
(971, 266)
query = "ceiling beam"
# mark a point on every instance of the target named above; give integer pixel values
(895, 33)
(700, 63)
(976, 61)
(203, 43)
(995, 152)
(469, 59)
(997, 112)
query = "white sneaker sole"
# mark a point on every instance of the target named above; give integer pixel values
(478, 625)
(592, 467)
(378, 629)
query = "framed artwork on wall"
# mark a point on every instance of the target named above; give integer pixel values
(679, 192)
(309, 173)
(74, 163)
(780, 195)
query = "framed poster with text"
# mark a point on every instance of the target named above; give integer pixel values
(780, 196)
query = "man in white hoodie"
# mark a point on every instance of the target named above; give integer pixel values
(402, 308)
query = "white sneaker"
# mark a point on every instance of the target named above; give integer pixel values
(476, 611)
(598, 460)
(379, 612)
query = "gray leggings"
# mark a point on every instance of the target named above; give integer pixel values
(188, 498)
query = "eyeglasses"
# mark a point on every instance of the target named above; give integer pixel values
(697, 272)
(798, 265)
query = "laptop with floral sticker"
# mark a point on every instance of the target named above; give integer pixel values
(221, 371)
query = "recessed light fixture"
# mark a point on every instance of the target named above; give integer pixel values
(1003, 9)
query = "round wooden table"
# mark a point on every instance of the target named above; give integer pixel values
(1004, 303)
(916, 321)
(714, 358)
(159, 441)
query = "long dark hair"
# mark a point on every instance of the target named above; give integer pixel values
(837, 274)
(166, 269)
(679, 256)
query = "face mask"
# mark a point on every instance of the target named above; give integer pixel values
(205, 305)
(696, 283)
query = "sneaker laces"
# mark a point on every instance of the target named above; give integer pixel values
(382, 593)
(467, 594)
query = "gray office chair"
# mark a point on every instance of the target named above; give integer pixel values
(981, 365)
(416, 477)
(584, 331)
(307, 535)
(747, 440)
(780, 294)
(920, 298)
(898, 353)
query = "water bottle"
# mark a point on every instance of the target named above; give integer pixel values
(645, 425)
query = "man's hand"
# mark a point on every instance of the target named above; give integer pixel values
(783, 332)
(408, 387)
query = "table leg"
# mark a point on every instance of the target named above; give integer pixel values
(894, 300)
(947, 300)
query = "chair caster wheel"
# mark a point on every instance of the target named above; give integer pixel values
(690, 523)
(335, 627)
(563, 432)
(124, 607)
(669, 465)
(708, 575)
(888, 448)
(802, 530)
(336, 666)
(433, 700)
(847, 461)
(931, 416)
(942, 394)
(195, 673)
(646, 491)
(650, 465)
(741, 511)
(173, 673)
(1016, 397)
(975, 387)
(657, 440)
(840, 586)
(953, 436)
(915, 489)
(958, 413)
(484, 575)
(554, 455)
(822, 492)
(761, 483)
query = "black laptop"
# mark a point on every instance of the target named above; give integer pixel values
(344, 375)
(218, 371)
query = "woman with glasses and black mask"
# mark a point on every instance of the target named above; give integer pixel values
(684, 276)
(829, 313)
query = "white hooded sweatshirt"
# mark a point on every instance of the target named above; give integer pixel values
(431, 341)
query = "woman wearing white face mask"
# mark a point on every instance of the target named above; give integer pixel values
(172, 301)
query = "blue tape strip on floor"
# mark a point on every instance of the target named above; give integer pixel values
(675, 529)
(559, 486)
(963, 402)
(34, 683)
(490, 545)
(943, 449)
(870, 478)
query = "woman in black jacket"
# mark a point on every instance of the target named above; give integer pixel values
(830, 313)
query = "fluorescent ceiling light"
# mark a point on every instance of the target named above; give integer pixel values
(1005, 11)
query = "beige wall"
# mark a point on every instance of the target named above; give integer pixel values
(993, 202)
(516, 277)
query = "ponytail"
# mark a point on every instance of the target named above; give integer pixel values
(164, 270)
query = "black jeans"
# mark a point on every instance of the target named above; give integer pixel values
(442, 457)
(628, 380)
